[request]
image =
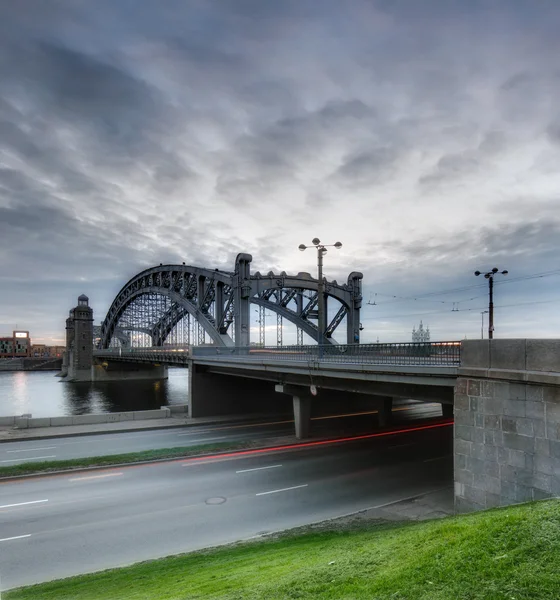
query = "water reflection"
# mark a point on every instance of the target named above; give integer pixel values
(43, 395)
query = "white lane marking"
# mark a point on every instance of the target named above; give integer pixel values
(95, 476)
(207, 439)
(436, 458)
(23, 503)
(30, 458)
(258, 469)
(295, 487)
(31, 449)
(17, 537)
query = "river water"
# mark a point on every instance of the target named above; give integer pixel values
(44, 395)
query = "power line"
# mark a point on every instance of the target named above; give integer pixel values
(440, 312)
(424, 297)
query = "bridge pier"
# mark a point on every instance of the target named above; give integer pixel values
(385, 411)
(302, 416)
(507, 423)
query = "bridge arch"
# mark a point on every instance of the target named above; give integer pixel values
(220, 302)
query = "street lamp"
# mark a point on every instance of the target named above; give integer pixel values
(484, 312)
(490, 277)
(321, 312)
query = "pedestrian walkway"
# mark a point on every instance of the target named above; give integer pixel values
(11, 434)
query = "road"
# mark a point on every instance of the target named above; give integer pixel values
(61, 448)
(61, 525)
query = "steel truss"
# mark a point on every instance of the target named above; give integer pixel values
(180, 304)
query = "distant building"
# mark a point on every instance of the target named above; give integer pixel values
(421, 335)
(45, 351)
(16, 346)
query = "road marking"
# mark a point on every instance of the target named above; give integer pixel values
(295, 487)
(23, 503)
(258, 469)
(31, 449)
(206, 439)
(436, 458)
(95, 476)
(17, 537)
(31, 458)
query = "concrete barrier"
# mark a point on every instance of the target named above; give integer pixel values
(177, 408)
(61, 421)
(27, 422)
(160, 413)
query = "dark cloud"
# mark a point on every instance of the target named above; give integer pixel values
(424, 137)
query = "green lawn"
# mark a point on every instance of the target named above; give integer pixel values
(119, 459)
(505, 554)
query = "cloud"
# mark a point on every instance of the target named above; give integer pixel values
(424, 138)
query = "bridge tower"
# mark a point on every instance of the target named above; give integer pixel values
(78, 359)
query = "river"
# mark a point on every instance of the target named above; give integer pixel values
(44, 395)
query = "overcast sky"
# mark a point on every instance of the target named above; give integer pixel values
(422, 134)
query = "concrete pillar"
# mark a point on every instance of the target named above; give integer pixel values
(242, 295)
(447, 411)
(385, 412)
(302, 416)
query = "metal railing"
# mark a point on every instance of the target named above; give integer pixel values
(418, 354)
(435, 353)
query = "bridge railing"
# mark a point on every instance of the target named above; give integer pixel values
(434, 353)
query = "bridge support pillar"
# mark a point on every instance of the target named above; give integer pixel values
(385, 411)
(302, 416)
(302, 408)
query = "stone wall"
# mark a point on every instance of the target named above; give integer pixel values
(507, 423)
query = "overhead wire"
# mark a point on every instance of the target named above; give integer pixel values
(425, 297)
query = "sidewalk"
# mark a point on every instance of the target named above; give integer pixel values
(10, 434)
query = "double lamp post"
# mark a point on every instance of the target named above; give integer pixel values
(321, 308)
(490, 277)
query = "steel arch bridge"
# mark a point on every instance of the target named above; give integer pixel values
(166, 302)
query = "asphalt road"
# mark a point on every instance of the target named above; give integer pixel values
(13, 453)
(62, 525)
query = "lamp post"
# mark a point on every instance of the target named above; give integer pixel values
(484, 312)
(321, 312)
(490, 277)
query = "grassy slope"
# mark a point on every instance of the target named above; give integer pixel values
(505, 554)
(116, 459)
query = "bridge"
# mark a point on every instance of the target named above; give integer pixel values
(179, 301)
(504, 394)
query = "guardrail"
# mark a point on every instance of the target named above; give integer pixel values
(434, 353)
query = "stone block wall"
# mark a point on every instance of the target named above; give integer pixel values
(507, 431)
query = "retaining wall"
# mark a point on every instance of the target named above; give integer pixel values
(507, 423)
(137, 415)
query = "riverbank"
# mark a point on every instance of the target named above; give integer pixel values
(31, 364)
(501, 554)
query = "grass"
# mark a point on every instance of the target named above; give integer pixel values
(504, 554)
(116, 459)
